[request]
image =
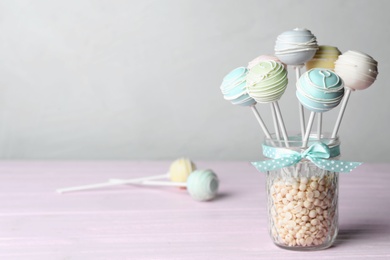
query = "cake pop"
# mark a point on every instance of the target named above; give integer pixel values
(179, 171)
(202, 185)
(233, 88)
(319, 90)
(253, 63)
(358, 71)
(266, 83)
(294, 48)
(324, 58)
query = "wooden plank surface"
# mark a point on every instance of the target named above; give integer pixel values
(127, 222)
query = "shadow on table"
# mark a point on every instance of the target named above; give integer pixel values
(351, 234)
(222, 196)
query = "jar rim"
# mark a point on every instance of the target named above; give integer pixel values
(295, 141)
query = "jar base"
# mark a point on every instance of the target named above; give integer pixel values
(305, 248)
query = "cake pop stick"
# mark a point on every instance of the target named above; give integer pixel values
(276, 124)
(281, 122)
(233, 88)
(341, 113)
(261, 122)
(107, 184)
(202, 185)
(318, 90)
(319, 126)
(359, 71)
(308, 129)
(179, 171)
(301, 111)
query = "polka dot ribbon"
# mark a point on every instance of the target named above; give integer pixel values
(318, 153)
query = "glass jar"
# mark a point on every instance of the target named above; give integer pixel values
(302, 201)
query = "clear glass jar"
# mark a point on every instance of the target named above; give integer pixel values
(302, 202)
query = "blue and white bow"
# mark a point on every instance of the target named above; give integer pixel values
(318, 153)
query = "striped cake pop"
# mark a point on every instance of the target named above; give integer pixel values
(319, 90)
(253, 63)
(324, 58)
(266, 83)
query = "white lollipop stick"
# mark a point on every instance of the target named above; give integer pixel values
(276, 126)
(281, 122)
(108, 184)
(341, 113)
(148, 183)
(319, 126)
(308, 129)
(301, 111)
(261, 122)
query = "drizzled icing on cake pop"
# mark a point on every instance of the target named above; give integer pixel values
(295, 47)
(324, 58)
(320, 90)
(233, 88)
(357, 69)
(267, 81)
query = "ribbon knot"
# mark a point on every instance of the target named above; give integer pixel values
(317, 150)
(318, 153)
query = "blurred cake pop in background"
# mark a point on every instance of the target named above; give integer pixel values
(325, 58)
(180, 169)
(203, 185)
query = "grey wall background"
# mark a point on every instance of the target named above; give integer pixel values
(137, 80)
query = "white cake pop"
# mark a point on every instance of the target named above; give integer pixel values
(358, 71)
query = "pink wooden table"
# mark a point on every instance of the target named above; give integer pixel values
(126, 222)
